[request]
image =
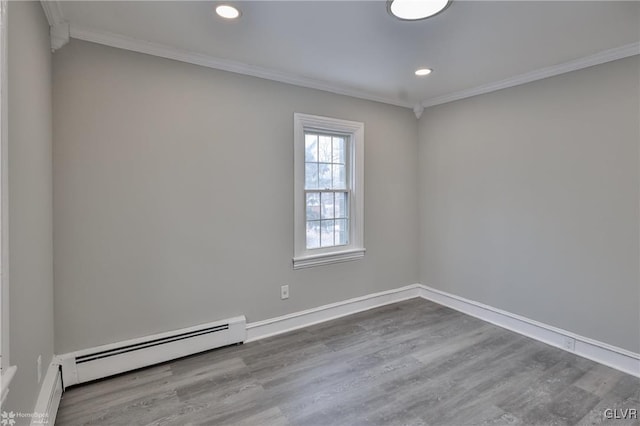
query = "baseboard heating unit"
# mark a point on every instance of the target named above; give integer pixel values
(108, 360)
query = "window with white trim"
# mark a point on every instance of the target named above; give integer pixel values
(329, 190)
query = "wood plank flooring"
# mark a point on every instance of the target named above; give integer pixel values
(410, 363)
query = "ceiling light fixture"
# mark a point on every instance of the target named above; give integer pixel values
(423, 71)
(414, 10)
(227, 12)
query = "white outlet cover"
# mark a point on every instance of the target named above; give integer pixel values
(284, 292)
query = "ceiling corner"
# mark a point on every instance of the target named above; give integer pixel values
(418, 109)
(59, 27)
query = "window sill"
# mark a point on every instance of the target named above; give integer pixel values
(327, 258)
(5, 381)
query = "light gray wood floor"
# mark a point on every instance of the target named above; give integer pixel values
(410, 363)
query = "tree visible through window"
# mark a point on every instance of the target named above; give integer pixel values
(326, 190)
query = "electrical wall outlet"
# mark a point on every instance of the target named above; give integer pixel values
(569, 343)
(284, 292)
(39, 367)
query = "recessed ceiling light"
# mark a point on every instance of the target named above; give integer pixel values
(227, 12)
(423, 71)
(413, 10)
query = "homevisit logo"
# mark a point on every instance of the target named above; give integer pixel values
(8, 419)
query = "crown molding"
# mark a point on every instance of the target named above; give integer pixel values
(168, 52)
(53, 12)
(58, 26)
(62, 31)
(577, 64)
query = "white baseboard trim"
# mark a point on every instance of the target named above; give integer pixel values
(48, 401)
(609, 355)
(283, 324)
(603, 353)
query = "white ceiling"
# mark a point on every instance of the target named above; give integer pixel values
(357, 46)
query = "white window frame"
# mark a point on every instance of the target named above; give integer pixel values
(303, 257)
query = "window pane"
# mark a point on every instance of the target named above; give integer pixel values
(341, 205)
(311, 176)
(338, 150)
(313, 234)
(313, 206)
(325, 176)
(325, 149)
(326, 233)
(327, 205)
(310, 148)
(339, 180)
(341, 232)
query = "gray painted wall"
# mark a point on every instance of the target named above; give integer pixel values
(529, 200)
(30, 206)
(173, 197)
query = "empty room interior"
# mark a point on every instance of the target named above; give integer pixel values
(403, 212)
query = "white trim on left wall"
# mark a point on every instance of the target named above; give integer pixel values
(5, 381)
(46, 408)
(7, 371)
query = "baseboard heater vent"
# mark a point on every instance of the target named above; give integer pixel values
(108, 360)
